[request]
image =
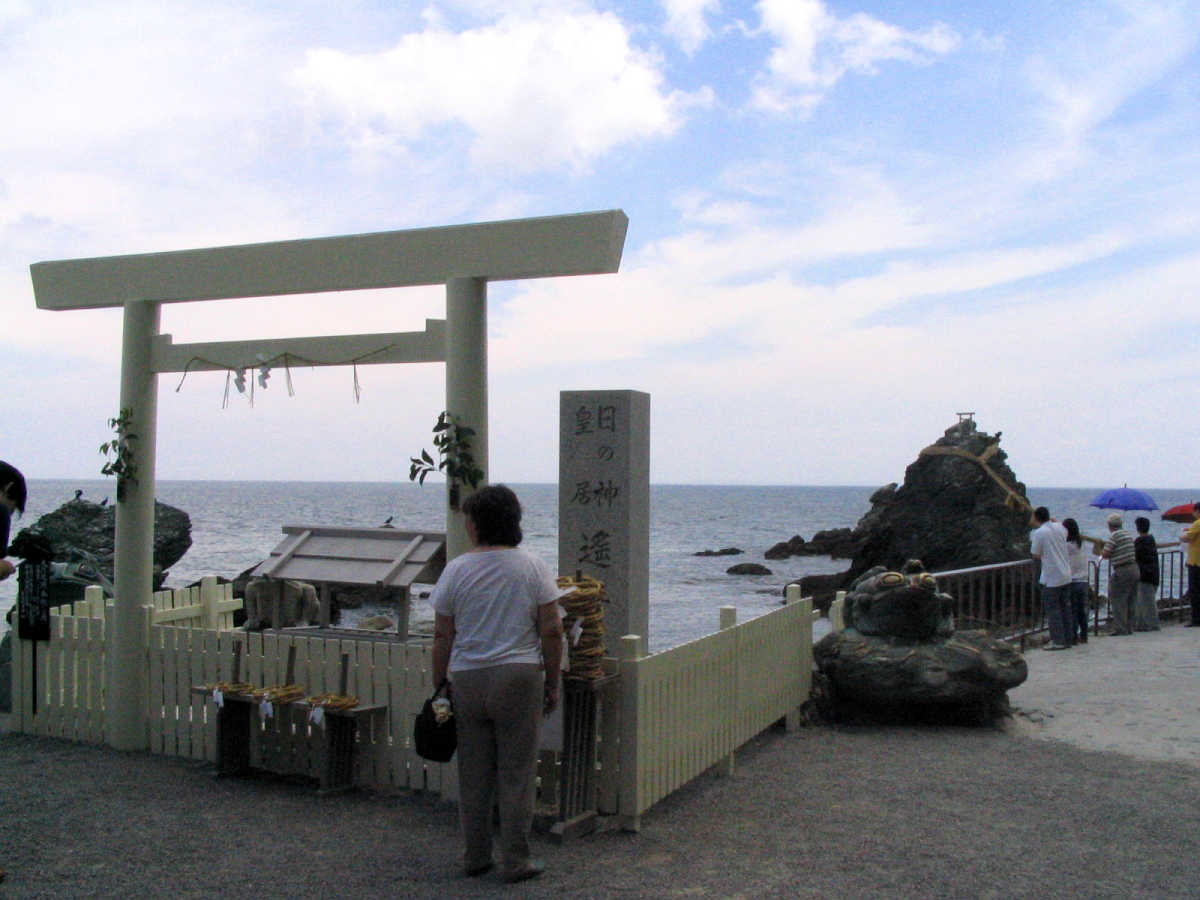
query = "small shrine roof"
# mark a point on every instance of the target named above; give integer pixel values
(382, 557)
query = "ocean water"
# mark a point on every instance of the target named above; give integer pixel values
(235, 525)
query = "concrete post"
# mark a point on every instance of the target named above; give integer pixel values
(466, 385)
(125, 696)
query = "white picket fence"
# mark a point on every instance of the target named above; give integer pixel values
(690, 708)
(668, 718)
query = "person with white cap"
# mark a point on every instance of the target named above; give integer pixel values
(1123, 576)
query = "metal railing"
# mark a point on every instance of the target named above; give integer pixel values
(1004, 598)
(1001, 598)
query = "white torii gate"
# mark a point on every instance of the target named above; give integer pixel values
(463, 257)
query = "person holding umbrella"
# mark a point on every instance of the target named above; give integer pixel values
(1122, 582)
(1191, 537)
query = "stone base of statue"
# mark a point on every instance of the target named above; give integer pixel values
(964, 678)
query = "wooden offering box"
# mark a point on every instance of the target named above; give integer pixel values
(291, 741)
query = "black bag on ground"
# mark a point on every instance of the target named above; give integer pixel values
(435, 741)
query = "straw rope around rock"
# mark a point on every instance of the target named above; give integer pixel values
(1012, 499)
(583, 624)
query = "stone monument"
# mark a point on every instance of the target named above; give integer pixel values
(604, 501)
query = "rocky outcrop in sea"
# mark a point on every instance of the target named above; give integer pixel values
(83, 534)
(960, 505)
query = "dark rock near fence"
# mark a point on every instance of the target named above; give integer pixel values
(839, 543)
(796, 546)
(899, 656)
(822, 589)
(748, 569)
(960, 506)
(727, 551)
(82, 535)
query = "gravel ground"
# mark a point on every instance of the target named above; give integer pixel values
(1089, 791)
(847, 810)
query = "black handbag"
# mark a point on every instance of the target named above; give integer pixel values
(433, 740)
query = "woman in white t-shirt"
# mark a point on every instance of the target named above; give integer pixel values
(1078, 594)
(498, 637)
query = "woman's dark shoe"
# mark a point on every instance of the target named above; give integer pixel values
(531, 869)
(481, 869)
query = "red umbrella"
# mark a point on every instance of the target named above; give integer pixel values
(1183, 513)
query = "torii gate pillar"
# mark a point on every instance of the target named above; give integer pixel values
(125, 629)
(466, 383)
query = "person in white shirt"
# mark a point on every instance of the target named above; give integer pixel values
(498, 637)
(1048, 545)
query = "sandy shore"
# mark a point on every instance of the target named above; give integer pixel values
(1091, 793)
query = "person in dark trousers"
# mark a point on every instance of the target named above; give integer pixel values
(1048, 545)
(1080, 589)
(1145, 552)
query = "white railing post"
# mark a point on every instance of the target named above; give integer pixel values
(633, 648)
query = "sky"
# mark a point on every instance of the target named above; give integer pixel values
(848, 221)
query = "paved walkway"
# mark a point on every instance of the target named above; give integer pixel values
(1137, 694)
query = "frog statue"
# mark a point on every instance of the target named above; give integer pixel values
(899, 655)
(903, 604)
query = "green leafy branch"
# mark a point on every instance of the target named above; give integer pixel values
(453, 445)
(118, 453)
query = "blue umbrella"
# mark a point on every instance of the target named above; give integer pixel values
(1124, 498)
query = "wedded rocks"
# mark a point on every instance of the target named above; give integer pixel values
(960, 506)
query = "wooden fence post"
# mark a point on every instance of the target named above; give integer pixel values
(633, 648)
(724, 765)
(793, 719)
(93, 598)
(210, 593)
(837, 610)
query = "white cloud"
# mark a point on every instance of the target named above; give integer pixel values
(557, 91)
(815, 49)
(687, 21)
(1117, 52)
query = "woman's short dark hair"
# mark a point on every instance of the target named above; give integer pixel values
(11, 476)
(496, 514)
(1142, 524)
(1073, 535)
